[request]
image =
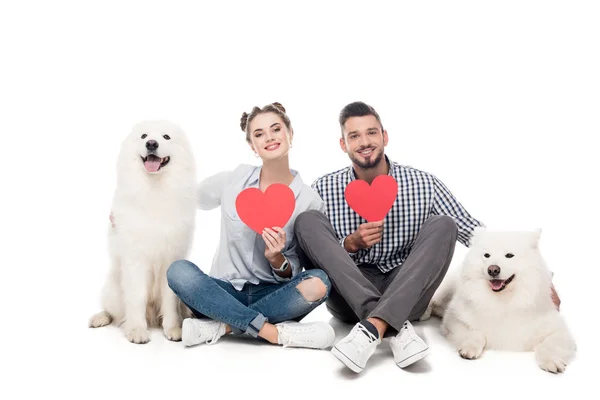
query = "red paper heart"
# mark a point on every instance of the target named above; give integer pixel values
(372, 202)
(261, 210)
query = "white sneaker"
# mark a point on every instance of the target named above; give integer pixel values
(314, 335)
(196, 331)
(356, 348)
(408, 347)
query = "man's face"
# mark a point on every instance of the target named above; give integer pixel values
(364, 141)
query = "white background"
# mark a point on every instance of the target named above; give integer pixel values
(500, 100)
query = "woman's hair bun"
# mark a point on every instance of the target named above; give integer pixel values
(279, 106)
(244, 121)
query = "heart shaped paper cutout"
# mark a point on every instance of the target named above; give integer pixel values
(372, 202)
(260, 210)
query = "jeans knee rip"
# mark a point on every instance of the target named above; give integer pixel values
(311, 302)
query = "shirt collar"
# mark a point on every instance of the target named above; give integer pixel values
(296, 184)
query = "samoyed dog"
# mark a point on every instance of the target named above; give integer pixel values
(501, 299)
(153, 214)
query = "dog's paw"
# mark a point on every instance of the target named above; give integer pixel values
(549, 362)
(470, 349)
(138, 335)
(173, 334)
(100, 319)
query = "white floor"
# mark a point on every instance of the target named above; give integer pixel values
(93, 363)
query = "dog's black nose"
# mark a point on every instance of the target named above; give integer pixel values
(494, 270)
(151, 145)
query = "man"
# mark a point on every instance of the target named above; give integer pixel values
(383, 273)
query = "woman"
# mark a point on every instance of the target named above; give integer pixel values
(256, 285)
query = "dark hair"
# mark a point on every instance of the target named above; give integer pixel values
(276, 108)
(357, 109)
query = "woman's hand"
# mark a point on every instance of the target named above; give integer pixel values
(275, 241)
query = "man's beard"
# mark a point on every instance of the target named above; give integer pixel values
(373, 162)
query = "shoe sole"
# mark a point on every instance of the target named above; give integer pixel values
(346, 361)
(413, 359)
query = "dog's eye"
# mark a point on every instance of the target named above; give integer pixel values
(509, 255)
(144, 136)
(487, 255)
(167, 137)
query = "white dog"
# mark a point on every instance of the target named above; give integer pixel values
(154, 212)
(502, 300)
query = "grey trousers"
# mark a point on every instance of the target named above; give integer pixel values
(363, 291)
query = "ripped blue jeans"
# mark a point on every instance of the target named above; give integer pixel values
(247, 310)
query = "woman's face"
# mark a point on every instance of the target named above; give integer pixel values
(269, 137)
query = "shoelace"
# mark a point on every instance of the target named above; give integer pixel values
(370, 337)
(215, 337)
(407, 336)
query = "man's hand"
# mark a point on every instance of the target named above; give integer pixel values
(364, 237)
(555, 298)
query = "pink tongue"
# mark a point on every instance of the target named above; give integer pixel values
(496, 284)
(152, 166)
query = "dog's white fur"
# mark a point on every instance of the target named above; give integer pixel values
(521, 317)
(154, 218)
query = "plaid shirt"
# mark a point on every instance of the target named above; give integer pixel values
(420, 195)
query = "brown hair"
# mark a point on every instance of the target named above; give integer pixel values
(276, 108)
(357, 109)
